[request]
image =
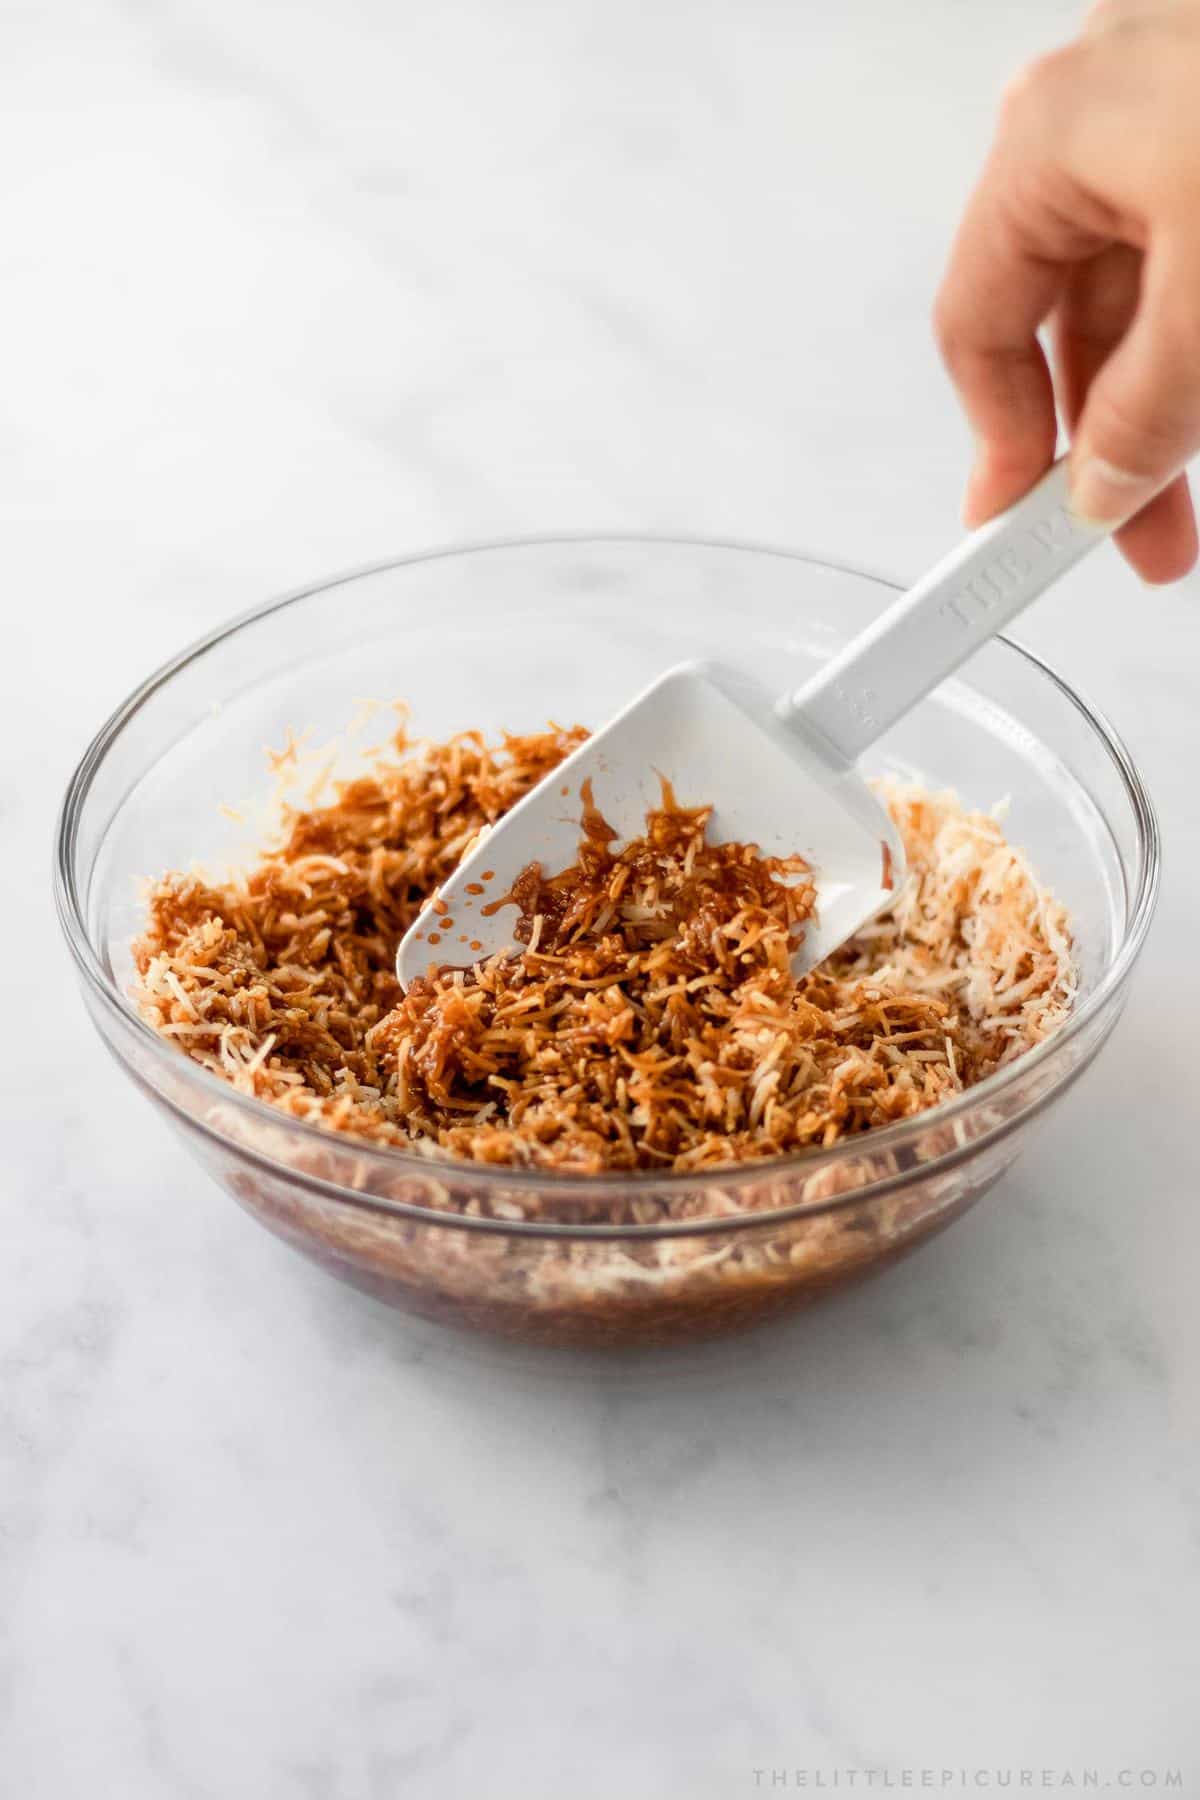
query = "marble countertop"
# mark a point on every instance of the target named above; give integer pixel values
(290, 287)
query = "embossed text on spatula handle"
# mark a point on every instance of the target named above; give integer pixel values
(954, 609)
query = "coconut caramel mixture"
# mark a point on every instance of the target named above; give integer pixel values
(651, 1021)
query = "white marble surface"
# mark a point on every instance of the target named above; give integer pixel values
(287, 287)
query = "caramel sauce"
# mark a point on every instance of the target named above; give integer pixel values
(569, 902)
(596, 828)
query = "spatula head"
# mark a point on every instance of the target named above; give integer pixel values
(718, 742)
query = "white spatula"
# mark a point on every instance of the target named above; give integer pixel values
(779, 773)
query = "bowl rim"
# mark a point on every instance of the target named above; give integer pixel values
(578, 1186)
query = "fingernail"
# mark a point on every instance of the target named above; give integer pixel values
(1103, 494)
(972, 514)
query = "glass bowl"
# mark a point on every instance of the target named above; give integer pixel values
(508, 636)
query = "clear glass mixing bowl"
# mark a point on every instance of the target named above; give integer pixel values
(509, 636)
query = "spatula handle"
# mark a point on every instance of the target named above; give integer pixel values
(962, 602)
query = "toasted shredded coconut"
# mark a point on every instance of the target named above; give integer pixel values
(651, 1022)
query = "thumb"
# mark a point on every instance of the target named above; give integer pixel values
(1141, 419)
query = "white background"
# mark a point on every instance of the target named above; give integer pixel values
(287, 287)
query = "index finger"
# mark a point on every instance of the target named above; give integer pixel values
(994, 295)
(1025, 225)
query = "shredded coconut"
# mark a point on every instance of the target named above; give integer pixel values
(651, 1021)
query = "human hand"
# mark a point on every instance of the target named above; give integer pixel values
(1087, 214)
